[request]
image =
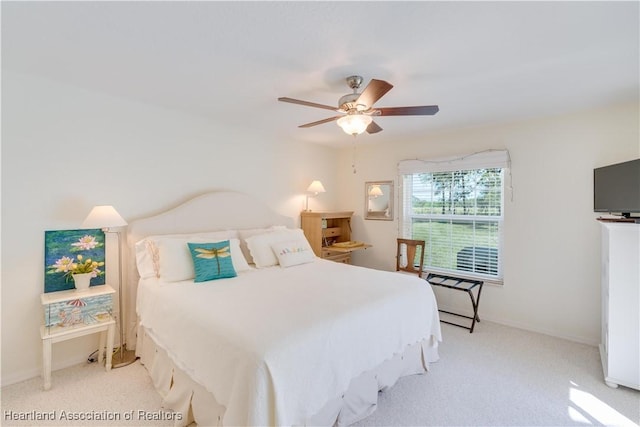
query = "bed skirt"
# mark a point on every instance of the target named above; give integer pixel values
(194, 403)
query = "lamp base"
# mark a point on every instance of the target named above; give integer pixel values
(123, 357)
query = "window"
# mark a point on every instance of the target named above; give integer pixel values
(457, 208)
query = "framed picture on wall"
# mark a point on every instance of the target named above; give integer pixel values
(73, 251)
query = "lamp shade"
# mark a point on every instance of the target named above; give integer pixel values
(103, 217)
(375, 191)
(354, 124)
(316, 187)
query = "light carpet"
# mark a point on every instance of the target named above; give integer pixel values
(497, 376)
(503, 376)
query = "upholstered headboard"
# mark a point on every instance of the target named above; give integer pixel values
(221, 210)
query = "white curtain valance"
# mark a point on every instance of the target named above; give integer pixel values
(480, 160)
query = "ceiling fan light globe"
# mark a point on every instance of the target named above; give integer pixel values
(354, 124)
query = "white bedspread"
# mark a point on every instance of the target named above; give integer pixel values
(274, 345)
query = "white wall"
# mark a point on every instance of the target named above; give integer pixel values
(551, 238)
(65, 150)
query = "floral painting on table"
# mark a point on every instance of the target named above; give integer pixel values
(68, 252)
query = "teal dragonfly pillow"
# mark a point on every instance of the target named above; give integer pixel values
(212, 261)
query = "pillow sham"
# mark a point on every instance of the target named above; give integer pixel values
(250, 232)
(147, 250)
(293, 252)
(174, 260)
(146, 258)
(260, 245)
(211, 261)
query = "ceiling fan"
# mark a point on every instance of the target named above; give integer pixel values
(357, 109)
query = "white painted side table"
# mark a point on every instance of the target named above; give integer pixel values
(74, 313)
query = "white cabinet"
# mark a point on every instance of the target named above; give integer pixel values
(620, 341)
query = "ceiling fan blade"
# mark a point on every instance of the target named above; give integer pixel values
(319, 122)
(373, 128)
(374, 91)
(423, 110)
(307, 103)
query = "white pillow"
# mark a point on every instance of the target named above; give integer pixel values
(260, 245)
(237, 258)
(293, 252)
(146, 258)
(250, 232)
(174, 257)
(147, 249)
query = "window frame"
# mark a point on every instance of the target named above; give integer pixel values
(490, 159)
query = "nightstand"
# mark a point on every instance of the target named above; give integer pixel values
(74, 313)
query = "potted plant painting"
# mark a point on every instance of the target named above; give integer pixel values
(75, 256)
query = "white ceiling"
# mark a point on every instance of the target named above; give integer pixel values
(481, 62)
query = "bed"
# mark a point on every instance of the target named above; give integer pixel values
(287, 339)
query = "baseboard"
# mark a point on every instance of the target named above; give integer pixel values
(543, 331)
(28, 374)
(523, 326)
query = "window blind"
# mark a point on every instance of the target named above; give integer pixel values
(456, 205)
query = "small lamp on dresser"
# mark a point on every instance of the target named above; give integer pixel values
(314, 188)
(106, 218)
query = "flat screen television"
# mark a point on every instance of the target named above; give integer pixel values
(616, 188)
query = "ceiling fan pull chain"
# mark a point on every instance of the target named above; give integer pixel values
(353, 162)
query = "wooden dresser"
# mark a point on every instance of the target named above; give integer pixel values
(324, 229)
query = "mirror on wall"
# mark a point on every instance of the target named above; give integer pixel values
(378, 200)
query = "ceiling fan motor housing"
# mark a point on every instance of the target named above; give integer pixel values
(348, 102)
